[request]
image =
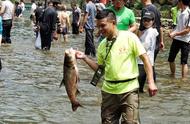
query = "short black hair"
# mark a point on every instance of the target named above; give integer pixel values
(106, 13)
(40, 3)
(185, 2)
(32, 1)
(73, 3)
(55, 2)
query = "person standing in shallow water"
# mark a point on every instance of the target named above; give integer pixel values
(148, 39)
(76, 17)
(181, 39)
(32, 11)
(120, 88)
(48, 25)
(88, 23)
(148, 6)
(1, 27)
(7, 12)
(64, 20)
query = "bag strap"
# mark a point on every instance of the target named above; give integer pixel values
(113, 41)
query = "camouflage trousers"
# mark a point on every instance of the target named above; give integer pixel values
(120, 107)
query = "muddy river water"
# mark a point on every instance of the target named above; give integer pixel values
(30, 78)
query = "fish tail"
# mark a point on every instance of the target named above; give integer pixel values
(75, 105)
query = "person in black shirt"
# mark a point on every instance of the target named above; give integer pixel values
(38, 13)
(76, 16)
(48, 25)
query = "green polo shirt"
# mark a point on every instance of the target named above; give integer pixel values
(174, 11)
(125, 18)
(121, 63)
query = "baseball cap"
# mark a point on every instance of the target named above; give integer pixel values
(149, 15)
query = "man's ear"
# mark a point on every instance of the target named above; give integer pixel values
(114, 22)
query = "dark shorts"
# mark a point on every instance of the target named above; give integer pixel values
(116, 105)
(62, 30)
(174, 49)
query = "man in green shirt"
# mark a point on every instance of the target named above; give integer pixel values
(174, 11)
(125, 16)
(120, 87)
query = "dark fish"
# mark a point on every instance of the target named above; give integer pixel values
(71, 77)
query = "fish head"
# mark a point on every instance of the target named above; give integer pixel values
(70, 55)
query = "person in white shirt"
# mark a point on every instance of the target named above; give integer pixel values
(148, 39)
(32, 11)
(7, 11)
(22, 5)
(181, 39)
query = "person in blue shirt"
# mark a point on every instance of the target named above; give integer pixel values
(88, 23)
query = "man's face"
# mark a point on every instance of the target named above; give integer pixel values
(118, 4)
(105, 26)
(143, 1)
(73, 6)
(180, 4)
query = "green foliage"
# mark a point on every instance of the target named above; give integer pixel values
(138, 5)
(165, 7)
(165, 14)
(81, 3)
(13, 1)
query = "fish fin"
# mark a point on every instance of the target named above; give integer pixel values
(62, 82)
(75, 105)
(78, 92)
